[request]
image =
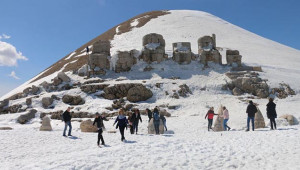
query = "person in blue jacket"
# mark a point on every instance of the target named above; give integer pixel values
(122, 123)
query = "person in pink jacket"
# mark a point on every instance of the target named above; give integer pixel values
(226, 118)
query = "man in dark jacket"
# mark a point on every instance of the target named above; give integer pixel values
(135, 118)
(271, 113)
(251, 110)
(99, 121)
(67, 119)
(150, 114)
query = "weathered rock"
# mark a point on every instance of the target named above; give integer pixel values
(208, 51)
(148, 68)
(28, 101)
(16, 96)
(54, 97)
(125, 61)
(45, 85)
(154, 48)
(237, 92)
(57, 81)
(46, 125)
(47, 101)
(259, 121)
(139, 93)
(252, 85)
(151, 129)
(184, 90)
(109, 108)
(87, 126)
(73, 100)
(233, 56)
(283, 91)
(182, 52)
(164, 113)
(93, 88)
(175, 95)
(12, 109)
(118, 90)
(35, 90)
(101, 47)
(26, 117)
(63, 77)
(128, 107)
(94, 81)
(290, 119)
(4, 103)
(98, 61)
(6, 128)
(83, 71)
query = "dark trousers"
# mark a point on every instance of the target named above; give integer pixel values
(100, 131)
(122, 128)
(68, 123)
(210, 122)
(135, 126)
(248, 123)
(273, 123)
(156, 126)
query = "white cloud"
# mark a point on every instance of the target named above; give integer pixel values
(13, 75)
(4, 36)
(9, 55)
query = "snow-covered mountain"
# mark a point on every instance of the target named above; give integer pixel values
(280, 64)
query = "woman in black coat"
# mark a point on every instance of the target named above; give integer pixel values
(271, 113)
(136, 117)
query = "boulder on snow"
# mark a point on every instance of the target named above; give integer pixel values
(259, 121)
(84, 70)
(47, 101)
(237, 92)
(73, 100)
(151, 129)
(28, 101)
(63, 77)
(26, 117)
(87, 126)
(139, 93)
(290, 119)
(46, 125)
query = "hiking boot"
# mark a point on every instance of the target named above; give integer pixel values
(247, 130)
(229, 128)
(102, 144)
(64, 135)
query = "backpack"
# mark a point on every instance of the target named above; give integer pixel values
(156, 116)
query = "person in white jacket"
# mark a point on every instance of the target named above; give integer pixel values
(226, 118)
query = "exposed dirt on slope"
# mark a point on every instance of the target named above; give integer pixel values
(77, 62)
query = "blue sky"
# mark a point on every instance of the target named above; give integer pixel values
(34, 34)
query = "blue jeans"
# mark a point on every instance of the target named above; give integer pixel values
(225, 124)
(156, 126)
(248, 123)
(70, 128)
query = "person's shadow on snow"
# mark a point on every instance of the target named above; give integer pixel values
(73, 137)
(128, 141)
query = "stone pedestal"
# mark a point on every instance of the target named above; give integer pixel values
(259, 121)
(182, 53)
(87, 126)
(151, 129)
(46, 125)
(218, 126)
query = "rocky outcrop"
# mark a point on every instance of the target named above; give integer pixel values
(73, 100)
(182, 52)
(90, 88)
(6, 128)
(87, 126)
(84, 70)
(3, 104)
(184, 90)
(139, 93)
(26, 117)
(98, 60)
(16, 96)
(290, 119)
(283, 91)
(63, 77)
(126, 59)
(154, 48)
(47, 101)
(259, 121)
(46, 125)
(237, 92)
(28, 101)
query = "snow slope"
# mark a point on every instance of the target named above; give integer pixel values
(191, 146)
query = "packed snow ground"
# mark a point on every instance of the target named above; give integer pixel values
(187, 145)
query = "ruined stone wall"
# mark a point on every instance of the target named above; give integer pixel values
(233, 56)
(125, 61)
(154, 48)
(182, 52)
(98, 60)
(207, 50)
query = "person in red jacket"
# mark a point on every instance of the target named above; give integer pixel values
(210, 115)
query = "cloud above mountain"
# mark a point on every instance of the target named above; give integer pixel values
(9, 55)
(14, 75)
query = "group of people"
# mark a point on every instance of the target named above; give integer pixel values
(133, 119)
(251, 111)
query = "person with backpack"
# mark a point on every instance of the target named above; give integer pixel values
(271, 113)
(226, 118)
(99, 121)
(67, 119)
(162, 117)
(122, 123)
(130, 123)
(135, 118)
(251, 110)
(210, 116)
(156, 120)
(150, 115)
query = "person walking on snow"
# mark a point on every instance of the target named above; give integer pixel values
(251, 110)
(135, 118)
(99, 121)
(150, 115)
(271, 113)
(156, 120)
(87, 50)
(122, 123)
(226, 118)
(67, 119)
(210, 115)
